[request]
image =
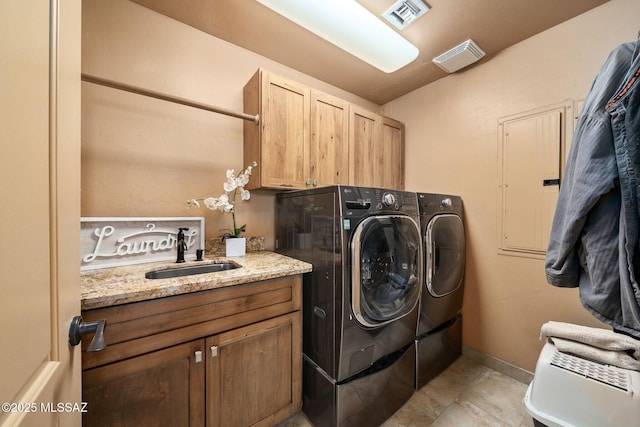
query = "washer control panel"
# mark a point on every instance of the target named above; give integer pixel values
(361, 200)
(389, 199)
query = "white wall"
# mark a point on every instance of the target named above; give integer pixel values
(146, 157)
(452, 147)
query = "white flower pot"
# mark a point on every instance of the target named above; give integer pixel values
(236, 246)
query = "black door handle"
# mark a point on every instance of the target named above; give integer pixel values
(79, 328)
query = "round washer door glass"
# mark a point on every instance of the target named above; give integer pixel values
(445, 247)
(386, 265)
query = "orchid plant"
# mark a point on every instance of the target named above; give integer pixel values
(227, 201)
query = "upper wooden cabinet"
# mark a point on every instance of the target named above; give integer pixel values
(364, 132)
(391, 153)
(329, 150)
(307, 138)
(376, 145)
(280, 142)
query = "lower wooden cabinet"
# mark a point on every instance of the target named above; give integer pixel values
(248, 374)
(163, 388)
(253, 380)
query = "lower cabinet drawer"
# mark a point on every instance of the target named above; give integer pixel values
(138, 328)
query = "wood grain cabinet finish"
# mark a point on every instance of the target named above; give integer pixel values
(376, 147)
(307, 138)
(165, 387)
(226, 357)
(280, 142)
(252, 378)
(329, 149)
(391, 155)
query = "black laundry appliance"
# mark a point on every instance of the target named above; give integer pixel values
(439, 331)
(360, 302)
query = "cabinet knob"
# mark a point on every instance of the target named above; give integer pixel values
(198, 355)
(308, 181)
(315, 182)
(214, 350)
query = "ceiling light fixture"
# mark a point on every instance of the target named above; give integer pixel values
(351, 27)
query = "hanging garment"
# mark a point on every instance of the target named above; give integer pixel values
(623, 109)
(593, 242)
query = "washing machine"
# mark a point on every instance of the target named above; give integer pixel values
(360, 302)
(439, 330)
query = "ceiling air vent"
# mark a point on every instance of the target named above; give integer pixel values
(404, 12)
(459, 57)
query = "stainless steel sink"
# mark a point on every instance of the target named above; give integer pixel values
(190, 270)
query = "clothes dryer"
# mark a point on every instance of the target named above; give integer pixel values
(360, 302)
(439, 330)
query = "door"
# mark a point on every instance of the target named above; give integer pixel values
(445, 254)
(364, 130)
(254, 373)
(40, 214)
(530, 154)
(164, 387)
(285, 132)
(386, 266)
(390, 156)
(329, 149)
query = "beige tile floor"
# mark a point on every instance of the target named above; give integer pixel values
(467, 394)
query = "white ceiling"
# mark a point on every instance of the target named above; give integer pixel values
(493, 24)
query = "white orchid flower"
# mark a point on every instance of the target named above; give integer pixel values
(226, 201)
(192, 202)
(243, 180)
(210, 202)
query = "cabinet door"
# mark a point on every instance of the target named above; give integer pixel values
(389, 159)
(364, 130)
(530, 156)
(329, 149)
(254, 373)
(285, 133)
(165, 387)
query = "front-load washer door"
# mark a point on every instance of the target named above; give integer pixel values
(445, 247)
(386, 265)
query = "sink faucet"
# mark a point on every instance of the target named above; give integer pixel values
(182, 245)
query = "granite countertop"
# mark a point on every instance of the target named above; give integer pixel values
(121, 285)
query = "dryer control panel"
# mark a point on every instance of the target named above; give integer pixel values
(431, 204)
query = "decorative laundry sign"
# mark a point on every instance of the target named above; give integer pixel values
(113, 242)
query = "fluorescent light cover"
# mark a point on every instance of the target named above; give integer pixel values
(351, 27)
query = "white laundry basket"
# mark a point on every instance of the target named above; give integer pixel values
(570, 391)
